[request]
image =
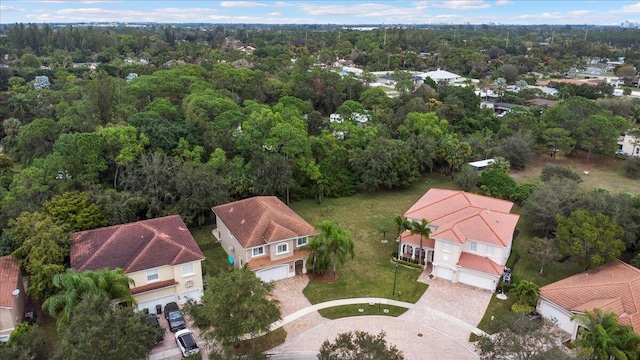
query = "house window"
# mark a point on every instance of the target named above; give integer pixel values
(473, 246)
(489, 251)
(187, 269)
(282, 248)
(302, 241)
(258, 251)
(152, 275)
(447, 247)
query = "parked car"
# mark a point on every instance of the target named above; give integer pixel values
(506, 275)
(153, 320)
(186, 342)
(174, 317)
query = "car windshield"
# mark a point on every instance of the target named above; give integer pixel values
(188, 341)
(175, 315)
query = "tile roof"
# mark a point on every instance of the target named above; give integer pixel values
(614, 286)
(261, 220)
(153, 286)
(135, 246)
(9, 275)
(479, 263)
(407, 238)
(265, 261)
(461, 216)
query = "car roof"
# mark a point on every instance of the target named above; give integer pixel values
(171, 306)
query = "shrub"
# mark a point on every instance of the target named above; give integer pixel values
(552, 171)
(467, 178)
(519, 308)
(632, 167)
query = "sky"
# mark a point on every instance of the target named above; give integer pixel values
(518, 12)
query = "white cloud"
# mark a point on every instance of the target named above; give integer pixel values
(6, 8)
(504, 2)
(635, 8)
(372, 10)
(242, 4)
(578, 13)
(275, 13)
(462, 4)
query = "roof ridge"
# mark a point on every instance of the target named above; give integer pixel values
(454, 193)
(491, 227)
(589, 285)
(98, 251)
(145, 248)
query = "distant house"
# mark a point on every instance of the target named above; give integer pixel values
(246, 49)
(541, 102)
(500, 109)
(628, 145)
(361, 119)
(353, 70)
(264, 234)
(471, 236)
(613, 287)
(160, 255)
(439, 75)
(12, 296)
(480, 165)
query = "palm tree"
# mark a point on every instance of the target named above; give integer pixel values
(605, 338)
(402, 224)
(336, 243)
(421, 228)
(320, 261)
(528, 292)
(75, 285)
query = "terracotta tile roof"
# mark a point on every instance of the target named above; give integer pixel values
(614, 286)
(461, 216)
(9, 275)
(135, 246)
(153, 286)
(479, 263)
(265, 261)
(261, 220)
(407, 238)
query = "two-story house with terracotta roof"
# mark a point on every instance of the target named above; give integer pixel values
(160, 255)
(470, 240)
(611, 287)
(264, 234)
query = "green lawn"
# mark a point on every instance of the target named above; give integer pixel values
(337, 312)
(369, 220)
(216, 257)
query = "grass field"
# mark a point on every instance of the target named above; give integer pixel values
(369, 219)
(337, 312)
(216, 257)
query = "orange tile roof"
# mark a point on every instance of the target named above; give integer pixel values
(153, 286)
(135, 246)
(261, 220)
(479, 263)
(265, 261)
(9, 275)
(461, 216)
(407, 238)
(614, 286)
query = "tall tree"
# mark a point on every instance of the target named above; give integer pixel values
(603, 337)
(594, 240)
(359, 345)
(543, 250)
(99, 330)
(423, 229)
(73, 286)
(336, 242)
(235, 304)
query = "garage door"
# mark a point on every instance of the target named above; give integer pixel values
(476, 280)
(445, 273)
(551, 312)
(273, 274)
(193, 294)
(151, 304)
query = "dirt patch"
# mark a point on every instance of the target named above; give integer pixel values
(329, 277)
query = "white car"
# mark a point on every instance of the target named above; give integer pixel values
(186, 342)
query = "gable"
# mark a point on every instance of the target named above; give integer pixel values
(135, 246)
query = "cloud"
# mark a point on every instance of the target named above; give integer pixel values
(275, 13)
(231, 4)
(373, 10)
(635, 8)
(6, 8)
(504, 2)
(462, 4)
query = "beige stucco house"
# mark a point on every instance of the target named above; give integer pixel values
(160, 255)
(12, 296)
(471, 236)
(264, 234)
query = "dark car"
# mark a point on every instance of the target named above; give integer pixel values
(153, 320)
(174, 317)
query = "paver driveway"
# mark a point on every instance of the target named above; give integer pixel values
(419, 334)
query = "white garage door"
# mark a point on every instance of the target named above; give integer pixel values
(445, 273)
(476, 280)
(272, 274)
(193, 294)
(151, 304)
(551, 312)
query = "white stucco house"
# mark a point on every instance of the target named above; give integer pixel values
(612, 287)
(264, 234)
(12, 296)
(160, 255)
(471, 236)
(628, 145)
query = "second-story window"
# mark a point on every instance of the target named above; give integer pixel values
(282, 248)
(258, 251)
